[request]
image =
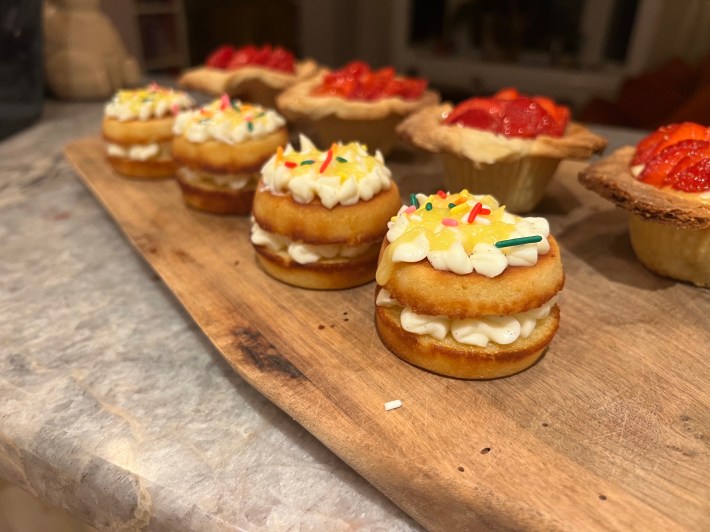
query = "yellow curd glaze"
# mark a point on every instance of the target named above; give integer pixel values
(446, 225)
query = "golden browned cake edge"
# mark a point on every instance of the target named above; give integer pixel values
(312, 223)
(450, 358)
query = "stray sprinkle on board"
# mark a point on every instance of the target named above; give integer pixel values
(391, 405)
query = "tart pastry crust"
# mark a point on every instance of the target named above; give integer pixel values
(297, 102)
(611, 178)
(216, 81)
(425, 130)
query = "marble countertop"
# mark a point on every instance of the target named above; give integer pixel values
(114, 405)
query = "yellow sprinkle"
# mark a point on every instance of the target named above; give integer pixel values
(461, 207)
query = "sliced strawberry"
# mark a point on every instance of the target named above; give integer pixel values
(281, 59)
(660, 167)
(508, 93)
(694, 178)
(665, 136)
(262, 55)
(358, 82)
(220, 57)
(525, 118)
(512, 115)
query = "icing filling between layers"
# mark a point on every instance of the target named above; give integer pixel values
(441, 231)
(479, 332)
(228, 121)
(224, 181)
(344, 174)
(301, 252)
(138, 152)
(147, 103)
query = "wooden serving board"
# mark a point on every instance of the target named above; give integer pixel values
(611, 429)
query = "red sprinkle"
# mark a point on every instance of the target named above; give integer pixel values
(175, 108)
(328, 158)
(474, 212)
(225, 102)
(442, 194)
(450, 222)
(290, 164)
(485, 211)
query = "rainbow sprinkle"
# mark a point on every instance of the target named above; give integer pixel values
(518, 241)
(224, 102)
(341, 159)
(328, 158)
(441, 194)
(413, 200)
(429, 206)
(410, 209)
(450, 222)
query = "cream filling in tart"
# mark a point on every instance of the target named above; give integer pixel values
(341, 175)
(479, 332)
(301, 252)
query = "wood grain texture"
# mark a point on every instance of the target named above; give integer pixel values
(611, 429)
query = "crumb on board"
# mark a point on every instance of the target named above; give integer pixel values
(391, 405)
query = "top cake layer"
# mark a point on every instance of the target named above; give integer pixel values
(344, 174)
(463, 233)
(229, 121)
(147, 103)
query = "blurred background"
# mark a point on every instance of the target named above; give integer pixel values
(634, 63)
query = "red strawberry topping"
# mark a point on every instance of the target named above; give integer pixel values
(512, 114)
(357, 81)
(665, 136)
(230, 58)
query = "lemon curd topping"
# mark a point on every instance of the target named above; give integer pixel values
(343, 174)
(148, 102)
(229, 121)
(462, 233)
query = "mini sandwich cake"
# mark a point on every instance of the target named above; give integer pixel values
(220, 149)
(466, 289)
(138, 130)
(319, 216)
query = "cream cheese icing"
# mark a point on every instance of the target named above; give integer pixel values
(230, 181)
(479, 332)
(147, 103)
(229, 121)
(341, 175)
(136, 152)
(443, 230)
(301, 252)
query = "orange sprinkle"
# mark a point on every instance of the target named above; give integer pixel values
(279, 154)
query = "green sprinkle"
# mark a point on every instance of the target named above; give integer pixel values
(260, 114)
(341, 160)
(413, 200)
(429, 206)
(307, 161)
(250, 126)
(452, 205)
(235, 105)
(518, 241)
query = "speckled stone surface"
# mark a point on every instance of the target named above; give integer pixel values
(113, 405)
